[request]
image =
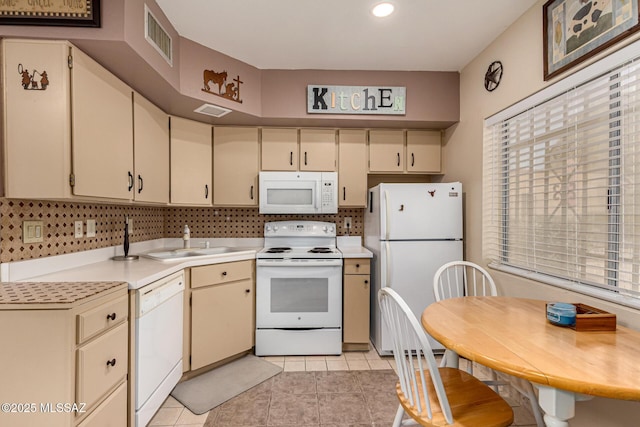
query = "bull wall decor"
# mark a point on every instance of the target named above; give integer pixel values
(228, 90)
(30, 81)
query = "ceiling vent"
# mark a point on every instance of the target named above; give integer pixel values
(212, 110)
(157, 36)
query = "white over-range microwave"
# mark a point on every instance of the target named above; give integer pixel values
(298, 192)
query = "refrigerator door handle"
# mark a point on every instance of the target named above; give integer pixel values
(388, 262)
(386, 214)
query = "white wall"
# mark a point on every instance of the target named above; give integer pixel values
(519, 49)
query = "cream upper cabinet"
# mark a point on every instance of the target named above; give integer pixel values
(279, 151)
(386, 151)
(37, 120)
(102, 132)
(235, 166)
(352, 167)
(423, 151)
(191, 162)
(68, 127)
(151, 151)
(317, 150)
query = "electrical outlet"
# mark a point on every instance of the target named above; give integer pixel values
(91, 228)
(78, 229)
(347, 222)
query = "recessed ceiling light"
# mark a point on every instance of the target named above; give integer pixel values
(382, 9)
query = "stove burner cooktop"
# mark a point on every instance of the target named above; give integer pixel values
(321, 250)
(277, 250)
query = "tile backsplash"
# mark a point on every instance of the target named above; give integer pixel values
(149, 222)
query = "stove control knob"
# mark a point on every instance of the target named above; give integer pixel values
(332, 229)
(275, 228)
(267, 228)
(324, 228)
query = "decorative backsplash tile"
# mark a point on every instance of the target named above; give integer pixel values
(149, 222)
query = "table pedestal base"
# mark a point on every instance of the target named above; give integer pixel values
(558, 405)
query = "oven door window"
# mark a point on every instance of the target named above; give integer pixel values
(299, 295)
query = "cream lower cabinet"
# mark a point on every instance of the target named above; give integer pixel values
(191, 162)
(356, 308)
(352, 167)
(65, 361)
(222, 311)
(235, 166)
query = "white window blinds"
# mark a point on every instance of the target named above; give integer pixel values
(562, 185)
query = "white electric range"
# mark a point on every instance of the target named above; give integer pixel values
(299, 290)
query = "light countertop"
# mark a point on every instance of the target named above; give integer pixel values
(97, 266)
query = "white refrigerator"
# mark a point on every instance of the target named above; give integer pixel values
(412, 229)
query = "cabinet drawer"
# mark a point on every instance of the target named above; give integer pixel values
(356, 266)
(112, 412)
(221, 273)
(101, 365)
(92, 322)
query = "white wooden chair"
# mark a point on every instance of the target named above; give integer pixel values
(464, 278)
(430, 395)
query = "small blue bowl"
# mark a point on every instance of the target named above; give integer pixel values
(561, 313)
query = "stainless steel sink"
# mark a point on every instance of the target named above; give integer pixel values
(179, 254)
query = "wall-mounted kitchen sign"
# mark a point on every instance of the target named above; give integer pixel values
(68, 13)
(226, 90)
(30, 81)
(323, 99)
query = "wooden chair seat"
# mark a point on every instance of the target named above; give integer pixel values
(473, 403)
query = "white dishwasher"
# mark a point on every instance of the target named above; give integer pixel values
(158, 343)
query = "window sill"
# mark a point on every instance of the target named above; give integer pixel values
(591, 291)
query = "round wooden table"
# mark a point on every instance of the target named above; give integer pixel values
(512, 335)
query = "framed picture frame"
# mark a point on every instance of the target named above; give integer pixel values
(575, 30)
(65, 13)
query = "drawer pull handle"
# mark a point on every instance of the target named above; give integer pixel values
(366, 282)
(111, 362)
(248, 291)
(224, 273)
(357, 265)
(111, 316)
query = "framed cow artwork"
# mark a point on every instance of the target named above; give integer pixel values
(575, 30)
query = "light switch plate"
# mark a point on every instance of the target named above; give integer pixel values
(78, 229)
(32, 232)
(91, 228)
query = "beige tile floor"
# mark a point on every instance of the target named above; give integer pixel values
(174, 414)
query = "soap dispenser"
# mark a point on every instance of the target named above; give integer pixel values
(186, 236)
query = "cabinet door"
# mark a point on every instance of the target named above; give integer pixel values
(279, 149)
(356, 308)
(37, 121)
(191, 157)
(423, 151)
(386, 151)
(235, 166)
(352, 169)
(318, 150)
(222, 321)
(102, 131)
(151, 151)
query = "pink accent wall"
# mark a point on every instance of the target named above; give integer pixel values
(431, 96)
(270, 97)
